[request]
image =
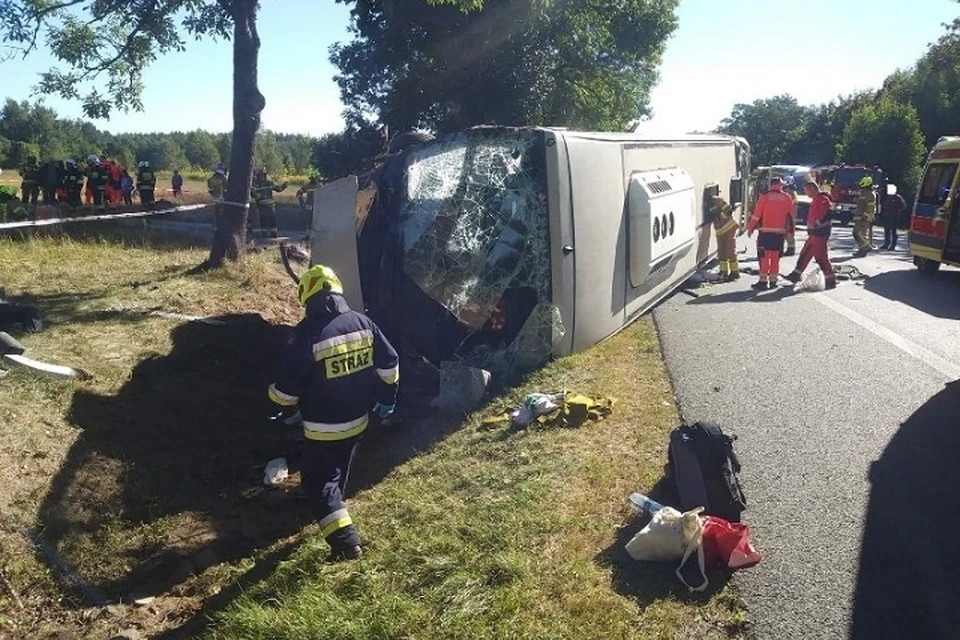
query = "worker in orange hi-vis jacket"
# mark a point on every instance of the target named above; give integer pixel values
(772, 216)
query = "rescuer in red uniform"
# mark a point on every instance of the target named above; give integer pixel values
(818, 235)
(773, 217)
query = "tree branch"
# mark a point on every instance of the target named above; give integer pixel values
(39, 16)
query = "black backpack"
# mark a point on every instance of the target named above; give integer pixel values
(704, 467)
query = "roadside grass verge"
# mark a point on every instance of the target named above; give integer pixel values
(154, 452)
(495, 533)
(145, 480)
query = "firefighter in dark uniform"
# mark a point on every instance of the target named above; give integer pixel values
(146, 182)
(97, 180)
(305, 193)
(338, 369)
(30, 184)
(265, 213)
(72, 182)
(217, 188)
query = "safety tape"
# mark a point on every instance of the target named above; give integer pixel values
(112, 216)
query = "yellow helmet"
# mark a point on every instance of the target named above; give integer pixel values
(866, 181)
(316, 279)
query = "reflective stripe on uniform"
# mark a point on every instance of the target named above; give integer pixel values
(779, 230)
(345, 343)
(334, 430)
(334, 522)
(729, 226)
(281, 398)
(391, 375)
(265, 201)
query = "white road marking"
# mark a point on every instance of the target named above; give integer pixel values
(947, 368)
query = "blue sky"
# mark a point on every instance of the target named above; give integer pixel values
(724, 52)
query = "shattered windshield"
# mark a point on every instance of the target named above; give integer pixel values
(473, 230)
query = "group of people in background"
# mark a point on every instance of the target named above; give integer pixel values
(774, 219)
(106, 183)
(100, 182)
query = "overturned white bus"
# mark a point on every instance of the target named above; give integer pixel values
(501, 247)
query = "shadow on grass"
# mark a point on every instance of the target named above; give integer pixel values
(164, 479)
(183, 437)
(198, 624)
(650, 582)
(65, 308)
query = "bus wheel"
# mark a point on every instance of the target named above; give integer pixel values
(926, 265)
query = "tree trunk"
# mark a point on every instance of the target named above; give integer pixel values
(248, 102)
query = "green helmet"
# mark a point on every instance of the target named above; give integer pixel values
(317, 279)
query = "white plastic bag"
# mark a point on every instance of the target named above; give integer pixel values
(275, 472)
(671, 535)
(813, 281)
(534, 406)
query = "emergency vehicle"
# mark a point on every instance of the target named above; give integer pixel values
(935, 218)
(842, 182)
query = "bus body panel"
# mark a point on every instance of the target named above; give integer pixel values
(600, 171)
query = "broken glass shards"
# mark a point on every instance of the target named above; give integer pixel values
(473, 236)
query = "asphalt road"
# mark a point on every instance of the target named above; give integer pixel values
(817, 387)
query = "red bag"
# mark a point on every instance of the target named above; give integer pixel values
(727, 544)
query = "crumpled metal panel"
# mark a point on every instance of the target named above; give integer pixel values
(474, 236)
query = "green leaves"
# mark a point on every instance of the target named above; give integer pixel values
(886, 133)
(772, 126)
(113, 40)
(577, 63)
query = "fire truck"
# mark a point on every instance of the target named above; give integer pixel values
(842, 182)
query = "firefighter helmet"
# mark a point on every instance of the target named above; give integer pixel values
(866, 182)
(318, 279)
(93, 159)
(143, 164)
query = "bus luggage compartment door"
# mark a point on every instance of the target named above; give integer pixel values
(662, 220)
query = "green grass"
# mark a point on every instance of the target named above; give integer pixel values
(480, 532)
(494, 534)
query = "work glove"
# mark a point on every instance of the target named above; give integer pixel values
(384, 411)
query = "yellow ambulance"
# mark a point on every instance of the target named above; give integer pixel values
(935, 219)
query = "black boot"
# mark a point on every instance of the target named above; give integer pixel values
(348, 553)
